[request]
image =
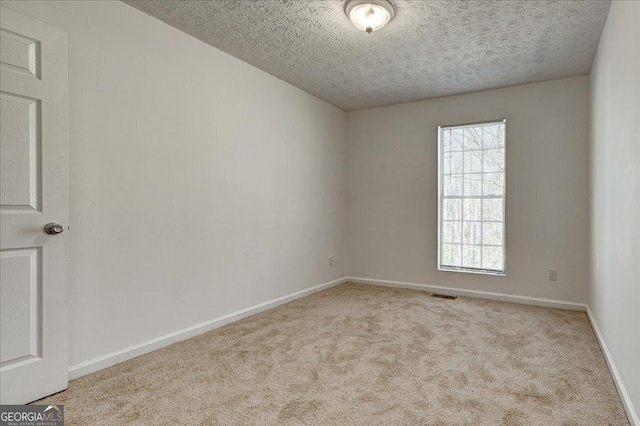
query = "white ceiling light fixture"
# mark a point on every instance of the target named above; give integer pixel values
(369, 15)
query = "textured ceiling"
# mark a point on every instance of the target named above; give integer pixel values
(430, 48)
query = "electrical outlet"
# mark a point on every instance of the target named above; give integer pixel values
(553, 275)
(330, 260)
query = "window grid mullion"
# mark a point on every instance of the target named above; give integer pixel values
(482, 201)
(475, 245)
(459, 197)
(471, 150)
(442, 175)
(472, 221)
(462, 202)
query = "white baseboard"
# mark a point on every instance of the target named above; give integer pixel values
(622, 391)
(125, 354)
(474, 293)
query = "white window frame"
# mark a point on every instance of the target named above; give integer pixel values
(464, 269)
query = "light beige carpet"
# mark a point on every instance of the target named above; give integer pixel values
(362, 355)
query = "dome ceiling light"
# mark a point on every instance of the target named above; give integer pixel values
(369, 15)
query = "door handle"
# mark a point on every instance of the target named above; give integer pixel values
(53, 228)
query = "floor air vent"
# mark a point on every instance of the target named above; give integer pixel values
(444, 296)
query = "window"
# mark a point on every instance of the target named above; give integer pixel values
(471, 203)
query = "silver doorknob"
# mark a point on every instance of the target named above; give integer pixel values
(53, 228)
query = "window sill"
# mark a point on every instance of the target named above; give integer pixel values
(472, 271)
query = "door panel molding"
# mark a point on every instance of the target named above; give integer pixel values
(33, 192)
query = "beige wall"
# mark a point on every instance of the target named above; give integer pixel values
(199, 184)
(615, 191)
(393, 189)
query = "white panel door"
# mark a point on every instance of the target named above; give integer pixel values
(33, 193)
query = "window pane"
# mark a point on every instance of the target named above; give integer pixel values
(473, 161)
(453, 162)
(493, 184)
(452, 185)
(446, 140)
(492, 209)
(456, 139)
(472, 185)
(493, 160)
(472, 209)
(492, 258)
(493, 136)
(446, 254)
(452, 254)
(471, 233)
(471, 256)
(452, 210)
(473, 138)
(452, 232)
(492, 233)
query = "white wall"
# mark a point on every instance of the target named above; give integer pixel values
(199, 184)
(393, 190)
(615, 191)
